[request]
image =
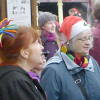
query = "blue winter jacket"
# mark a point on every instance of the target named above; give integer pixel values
(59, 84)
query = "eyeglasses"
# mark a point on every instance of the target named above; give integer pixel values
(90, 38)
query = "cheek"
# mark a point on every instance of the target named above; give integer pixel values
(33, 54)
(34, 60)
(91, 46)
(77, 47)
(47, 27)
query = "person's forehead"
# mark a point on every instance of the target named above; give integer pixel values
(85, 33)
(51, 21)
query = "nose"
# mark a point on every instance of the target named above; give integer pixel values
(89, 43)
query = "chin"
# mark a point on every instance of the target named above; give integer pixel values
(85, 53)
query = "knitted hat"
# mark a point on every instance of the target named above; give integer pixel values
(44, 17)
(72, 26)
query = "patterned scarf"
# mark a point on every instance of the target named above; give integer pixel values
(80, 60)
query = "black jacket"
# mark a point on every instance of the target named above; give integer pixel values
(16, 84)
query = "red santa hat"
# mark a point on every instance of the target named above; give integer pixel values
(72, 26)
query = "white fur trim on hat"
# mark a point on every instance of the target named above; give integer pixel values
(79, 27)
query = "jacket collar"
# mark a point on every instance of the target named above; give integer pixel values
(72, 66)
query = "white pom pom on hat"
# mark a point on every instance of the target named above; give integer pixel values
(73, 25)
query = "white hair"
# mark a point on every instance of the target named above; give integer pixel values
(73, 40)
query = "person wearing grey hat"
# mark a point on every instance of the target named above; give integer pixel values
(47, 25)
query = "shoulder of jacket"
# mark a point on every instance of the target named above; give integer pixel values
(55, 59)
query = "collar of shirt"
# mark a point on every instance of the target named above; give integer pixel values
(34, 76)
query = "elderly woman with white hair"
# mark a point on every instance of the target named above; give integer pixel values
(73, 74)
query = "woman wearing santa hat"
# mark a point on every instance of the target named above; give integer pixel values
(73, 74)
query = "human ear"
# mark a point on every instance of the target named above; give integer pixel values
(24, 53)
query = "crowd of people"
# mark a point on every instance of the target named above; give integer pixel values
(59, 63)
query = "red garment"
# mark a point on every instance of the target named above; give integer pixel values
(81, 61)
(95, 52)
(67, 24)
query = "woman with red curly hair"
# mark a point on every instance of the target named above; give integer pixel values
(20, 51)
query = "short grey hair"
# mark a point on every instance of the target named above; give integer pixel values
(44, 17)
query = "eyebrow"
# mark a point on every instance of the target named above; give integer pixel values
(85, 36)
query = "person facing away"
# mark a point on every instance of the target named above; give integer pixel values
(48, 33)
(20, 51)
(74, 74)
(95, 52)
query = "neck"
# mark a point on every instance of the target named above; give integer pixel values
(24, 65)
(80, 54)
(38, 72)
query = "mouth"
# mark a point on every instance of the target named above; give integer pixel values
(43, 57)
(41, 53)
(86, 48)
(45, 53)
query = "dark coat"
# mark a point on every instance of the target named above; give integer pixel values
(16, 84)
(59, 84)
(49, 43)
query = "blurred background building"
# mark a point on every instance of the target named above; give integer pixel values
(84, 6)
